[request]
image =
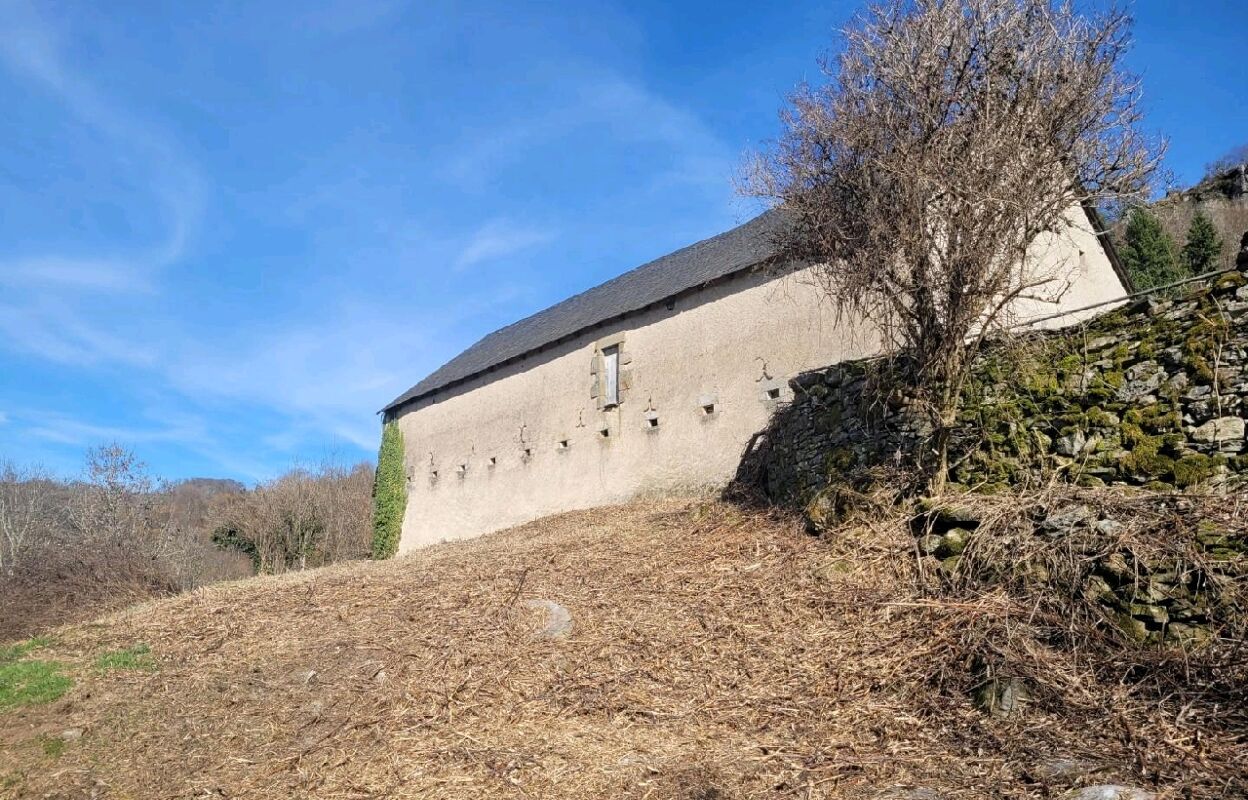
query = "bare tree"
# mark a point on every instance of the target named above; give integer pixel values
(949, 138)
(115, 504)
(301, 519)
(27, 512)
(1235, 157)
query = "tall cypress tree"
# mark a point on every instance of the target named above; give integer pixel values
(1149, 254)
(1203, 245)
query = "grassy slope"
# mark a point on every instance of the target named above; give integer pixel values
(716, 653)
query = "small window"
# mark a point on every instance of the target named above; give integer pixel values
(528, 453)
(652, 422)
(433, 475)
(708, 409)
(773, 393)
(605, 433)
(611, 376)
(493, 460)
(563, 444)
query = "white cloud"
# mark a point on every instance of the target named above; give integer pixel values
(49, 309)
(55, 272)
(50, 331)
(607, 106)
(499, 239)
(31, 49)
(323, 379)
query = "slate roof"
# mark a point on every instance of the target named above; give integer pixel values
(698, 264)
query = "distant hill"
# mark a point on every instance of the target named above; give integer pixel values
(210, 486)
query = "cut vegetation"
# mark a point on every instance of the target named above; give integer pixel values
(710, 652)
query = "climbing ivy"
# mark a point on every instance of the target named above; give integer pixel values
(389, 493)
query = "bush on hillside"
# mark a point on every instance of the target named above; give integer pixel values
(300, 520)
(72, 550)
(389, 493)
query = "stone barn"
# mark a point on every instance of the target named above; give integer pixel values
(651, 383)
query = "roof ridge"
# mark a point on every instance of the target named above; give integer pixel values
(714, 257)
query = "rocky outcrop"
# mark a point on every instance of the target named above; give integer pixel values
(1222, 197)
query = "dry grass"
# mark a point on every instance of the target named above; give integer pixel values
(716, 653)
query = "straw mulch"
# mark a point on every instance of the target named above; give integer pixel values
(715, 653)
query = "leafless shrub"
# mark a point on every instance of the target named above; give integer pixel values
(1235, 157)
(950, 139)
(302, 519)
(70, 550)
(28, 510)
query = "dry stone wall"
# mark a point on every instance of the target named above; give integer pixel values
(1151, 394)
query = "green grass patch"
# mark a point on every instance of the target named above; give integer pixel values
(52, 746)
(138, 657)
(29, 682)
(12, 652)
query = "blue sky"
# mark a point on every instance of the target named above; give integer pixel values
(232, 231)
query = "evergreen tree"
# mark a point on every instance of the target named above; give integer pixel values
(1149, 254)
(389, 493)
(1203, 247)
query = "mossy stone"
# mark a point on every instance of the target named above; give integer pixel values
(952, 543)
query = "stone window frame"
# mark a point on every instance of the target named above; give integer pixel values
(597, 370)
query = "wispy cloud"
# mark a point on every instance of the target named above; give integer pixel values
(84, 274)
(63, 429)
(322, 380)
(588, 101)
(45, 329)
(31, 48)
(499, 239)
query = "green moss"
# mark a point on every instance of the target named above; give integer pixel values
(1229, 281)
(1203, 341)
(1096, 417)
(1158, 418)
(1145, 459)
(1196, 468)
(1072, 362)
(840, 459)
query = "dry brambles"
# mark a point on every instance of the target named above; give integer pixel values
(715, 653)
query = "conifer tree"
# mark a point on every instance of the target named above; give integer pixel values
(1203, 247)
(1149, 254)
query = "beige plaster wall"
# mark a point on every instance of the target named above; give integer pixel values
(489, 454)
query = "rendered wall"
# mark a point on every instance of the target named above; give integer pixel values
(728, 344)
